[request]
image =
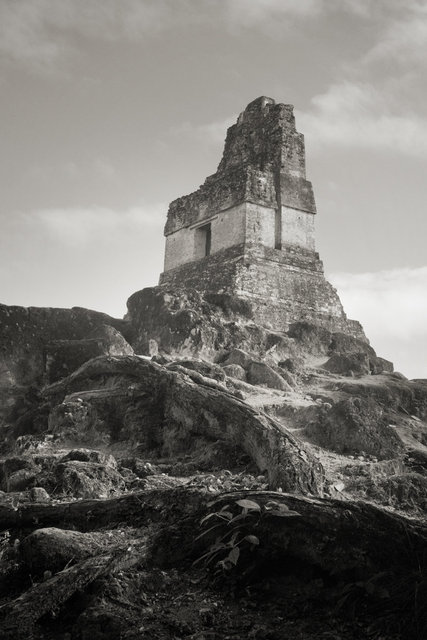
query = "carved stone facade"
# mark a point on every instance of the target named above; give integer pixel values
(249, 229)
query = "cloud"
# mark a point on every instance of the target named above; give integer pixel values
(38, 32)
(357, 115)
(395, 299)
(274, 15)
(22, 27)
(249, 13)
(392, 306)
(80, 227)
(404, 38)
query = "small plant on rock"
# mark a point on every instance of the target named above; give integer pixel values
(236, 526)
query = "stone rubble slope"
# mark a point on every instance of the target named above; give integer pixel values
(113, 465)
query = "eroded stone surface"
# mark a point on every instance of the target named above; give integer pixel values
(26, 332)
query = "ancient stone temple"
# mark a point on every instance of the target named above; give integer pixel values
(249, 229)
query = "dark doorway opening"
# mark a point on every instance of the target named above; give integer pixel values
(278, 229)
(208, 240)
(203, 241)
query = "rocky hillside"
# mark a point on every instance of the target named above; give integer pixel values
(188, 473)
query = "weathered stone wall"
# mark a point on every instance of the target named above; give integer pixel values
(298, 228)
(216, 194)
(215, 273)
(187, 244)
(297, 193)
(260, 224)
(228, 228)
(247, 222)
(264, 165)
(179, 248)
(284, 287)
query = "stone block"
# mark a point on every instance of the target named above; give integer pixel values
(239, 357)
(259, 373)
(235, 371)
(350, 364)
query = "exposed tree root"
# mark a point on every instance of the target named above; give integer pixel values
(189, 407)
(138, 508)
(18, 618)
(345, 542)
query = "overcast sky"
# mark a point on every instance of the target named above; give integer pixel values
(110, 109)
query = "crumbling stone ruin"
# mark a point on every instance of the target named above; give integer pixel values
(249, 229)
(231, 459)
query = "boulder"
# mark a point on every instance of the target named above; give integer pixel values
(315, 340)
(357, 363)
(113, 342)
(380, 365)
(39, 345)
(350, 364)
(403, 491)
(293, 365)
(51, 549)
(391, 392)
(38, 494)
(234, 371)
(17, 473)
(87, 479)
(90, 455)
(396, 375)
(239, 357)
(311, 339)
(77, 420)
(139, 467)
(15, 463)
(354, 426)
(345, 343)
(65, 356)
(26, 332)
(21, 480)
(184, 322)
(260, 373)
